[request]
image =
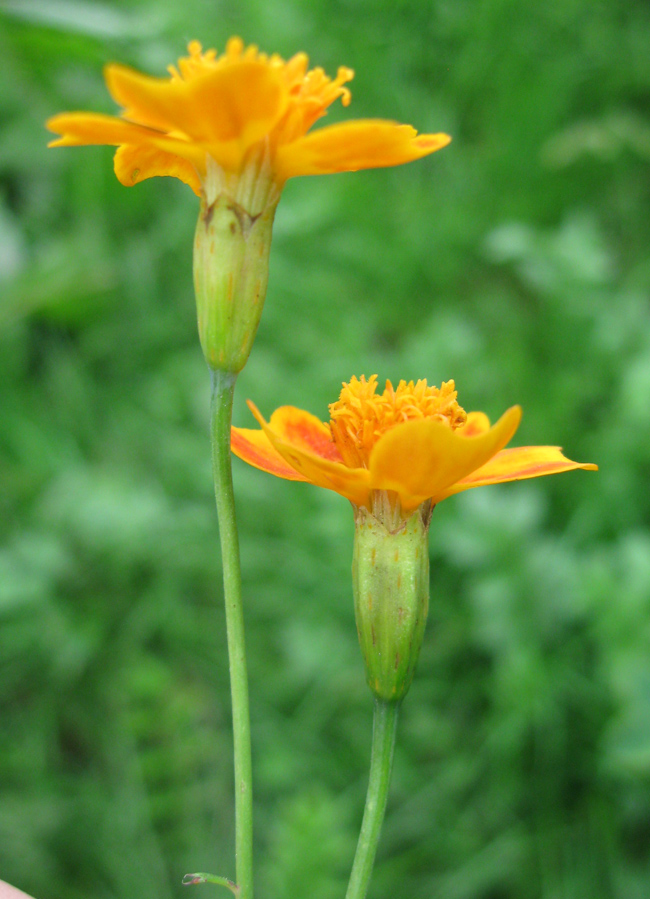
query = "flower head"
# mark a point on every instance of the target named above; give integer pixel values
(394, 455)
(234, 127)
(407, 445)
(232, 107)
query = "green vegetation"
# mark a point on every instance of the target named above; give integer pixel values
(514, 261)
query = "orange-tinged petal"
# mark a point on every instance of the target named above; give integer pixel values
(239, 102)
(477, 423)
(255, 448)
(302, 430)
(348, 147)
(300, 440)
(421, 459)
(517, 464)
(136, 163)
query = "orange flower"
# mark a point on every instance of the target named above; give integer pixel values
(231, 109)
(413, 443)
(394, 455)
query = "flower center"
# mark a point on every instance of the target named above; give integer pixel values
(360, 416)
(310, 92)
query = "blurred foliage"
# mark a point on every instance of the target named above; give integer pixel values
(514, 261)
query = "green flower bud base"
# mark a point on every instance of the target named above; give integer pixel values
(390, 571)
(231, 259)
(231, 268)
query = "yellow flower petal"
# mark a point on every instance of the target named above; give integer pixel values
(135, 163)
(300, 438)
(421, 459)
(348, 147)
(517, 464)
(255, 448)
(240, 102)
(82, 128)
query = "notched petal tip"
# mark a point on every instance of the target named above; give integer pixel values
(352, 146)
(519, 463)
(51, 125)
(60, 124)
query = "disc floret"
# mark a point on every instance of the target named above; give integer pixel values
(361, 416)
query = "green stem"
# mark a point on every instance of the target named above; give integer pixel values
(384, 726)
(223, 388)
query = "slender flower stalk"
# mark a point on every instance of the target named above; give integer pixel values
(223, 388)
(384, 728)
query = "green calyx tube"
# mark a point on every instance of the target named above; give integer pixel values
(231, 270)
(390, 571)
(231, 261)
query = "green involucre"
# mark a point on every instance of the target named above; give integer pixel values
(390, 571)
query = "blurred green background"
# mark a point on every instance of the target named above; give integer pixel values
(515, 261)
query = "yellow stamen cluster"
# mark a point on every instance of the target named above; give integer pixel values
(309, 93)
(196, 64)
(360, 416)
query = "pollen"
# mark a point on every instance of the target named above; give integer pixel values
(361, 415)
